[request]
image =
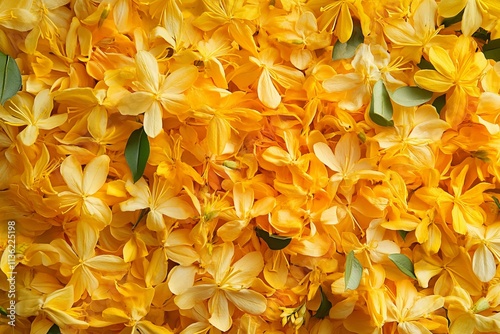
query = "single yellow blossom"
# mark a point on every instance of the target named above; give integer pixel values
(53, 308)
(160, 200)
(82, 265)
(411, 310)
(156, 94)
(34, 113)
(226, 284)
(457, 73)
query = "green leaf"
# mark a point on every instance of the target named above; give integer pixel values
(3, 311)
(439, 103)
(497, 202)
(403, 234)
(137, 153)
(452, 20)
(404, 264)
(411, 96)
(492, 50)
(275, 242)
(482, 34)
(353, 272)
(425, 64)
(324, 307)
(54, 330)
(381, 107)
(348, 49)
(10, 78)
(492, 45)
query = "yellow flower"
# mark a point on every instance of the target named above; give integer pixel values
(353, 90)
(53, 308)
(82, 187)
(474, 12)
(411, 310)
(346, 162)
(35, 114)
(272, 75)
(488, 241)
(457, 73)
(246, 210)
(467, 316)
(414, 132)
(17, 15)
(174, 246)
(454, 269)
(52, 23)
(156, 93)
(161, 201)
(458, 206)
(137, 301)
(226, 284)
(411, 38)
(82, 265)
(337, 16)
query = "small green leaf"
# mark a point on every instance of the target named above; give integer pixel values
(275, 242)
(348, 49)
(425, 64)
(403, 234)
(492, 45)
(404, 264)
(324, 307)
(137, 153)
(380, 106)
(411, 96)
(452, 20)
(439, 103)
(482, 34)
(497, 202)
(3, 311)
(492, 50)
(353, 272)
(54, 330)
(10, 78)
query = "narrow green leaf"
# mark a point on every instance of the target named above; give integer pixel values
(425, 64)
(439, 103)
(404, 264)
(403, 234)
(497, 202)
(353, 272)
(452, 20)
(10, 78)
(275, 242)
(411, 96)
(3, 311)
(348, 49)
(137, 153)
(324, 307)
(54, 330)
(380, 106)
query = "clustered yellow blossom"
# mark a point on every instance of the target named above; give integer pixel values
(272, 200)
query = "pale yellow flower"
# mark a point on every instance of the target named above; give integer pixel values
(227, 284)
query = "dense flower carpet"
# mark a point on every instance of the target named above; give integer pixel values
(250, 166)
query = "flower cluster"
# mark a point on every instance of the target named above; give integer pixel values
(313, 166)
